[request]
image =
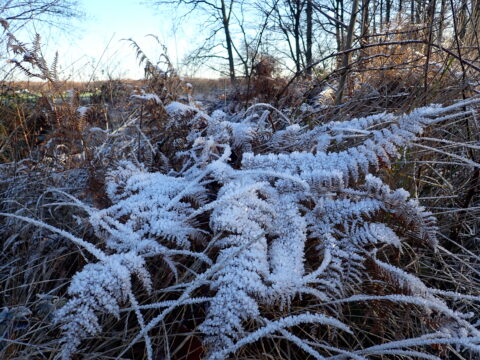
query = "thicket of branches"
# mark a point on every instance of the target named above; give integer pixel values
(337, 39)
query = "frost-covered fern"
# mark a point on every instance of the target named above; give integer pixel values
(290, 214)
(99, 287)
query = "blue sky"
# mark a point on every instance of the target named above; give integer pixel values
(95, 44)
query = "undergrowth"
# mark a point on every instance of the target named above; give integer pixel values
(250, 231)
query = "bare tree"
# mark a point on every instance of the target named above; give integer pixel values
(18, 13)
(219, 15)
(251, 42)
(289, 22)
(226, 13)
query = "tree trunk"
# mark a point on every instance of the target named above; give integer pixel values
(228, 40)
(443, 11)
(308, 53)
(412, 11)
(388, 11)
(297, 36)
(381, 16)
(364, 31)
(338, 29)
(342, 15)
(346, 56)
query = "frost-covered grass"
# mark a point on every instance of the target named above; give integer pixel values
(181, 233)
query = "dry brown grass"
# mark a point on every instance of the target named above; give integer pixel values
(63, 86)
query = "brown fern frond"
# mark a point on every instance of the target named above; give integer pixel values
(36, 44)
(26, 71)
(54, 68)
(4, 23)
(142, 58)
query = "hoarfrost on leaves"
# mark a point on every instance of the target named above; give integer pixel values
(266, 193)
(99, 287)
(147, 97)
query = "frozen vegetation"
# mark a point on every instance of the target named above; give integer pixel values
(281, 225)
(264, 219)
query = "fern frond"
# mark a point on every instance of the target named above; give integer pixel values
(99, 287)
(289, 215)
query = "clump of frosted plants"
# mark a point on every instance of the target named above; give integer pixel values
(267, 194)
